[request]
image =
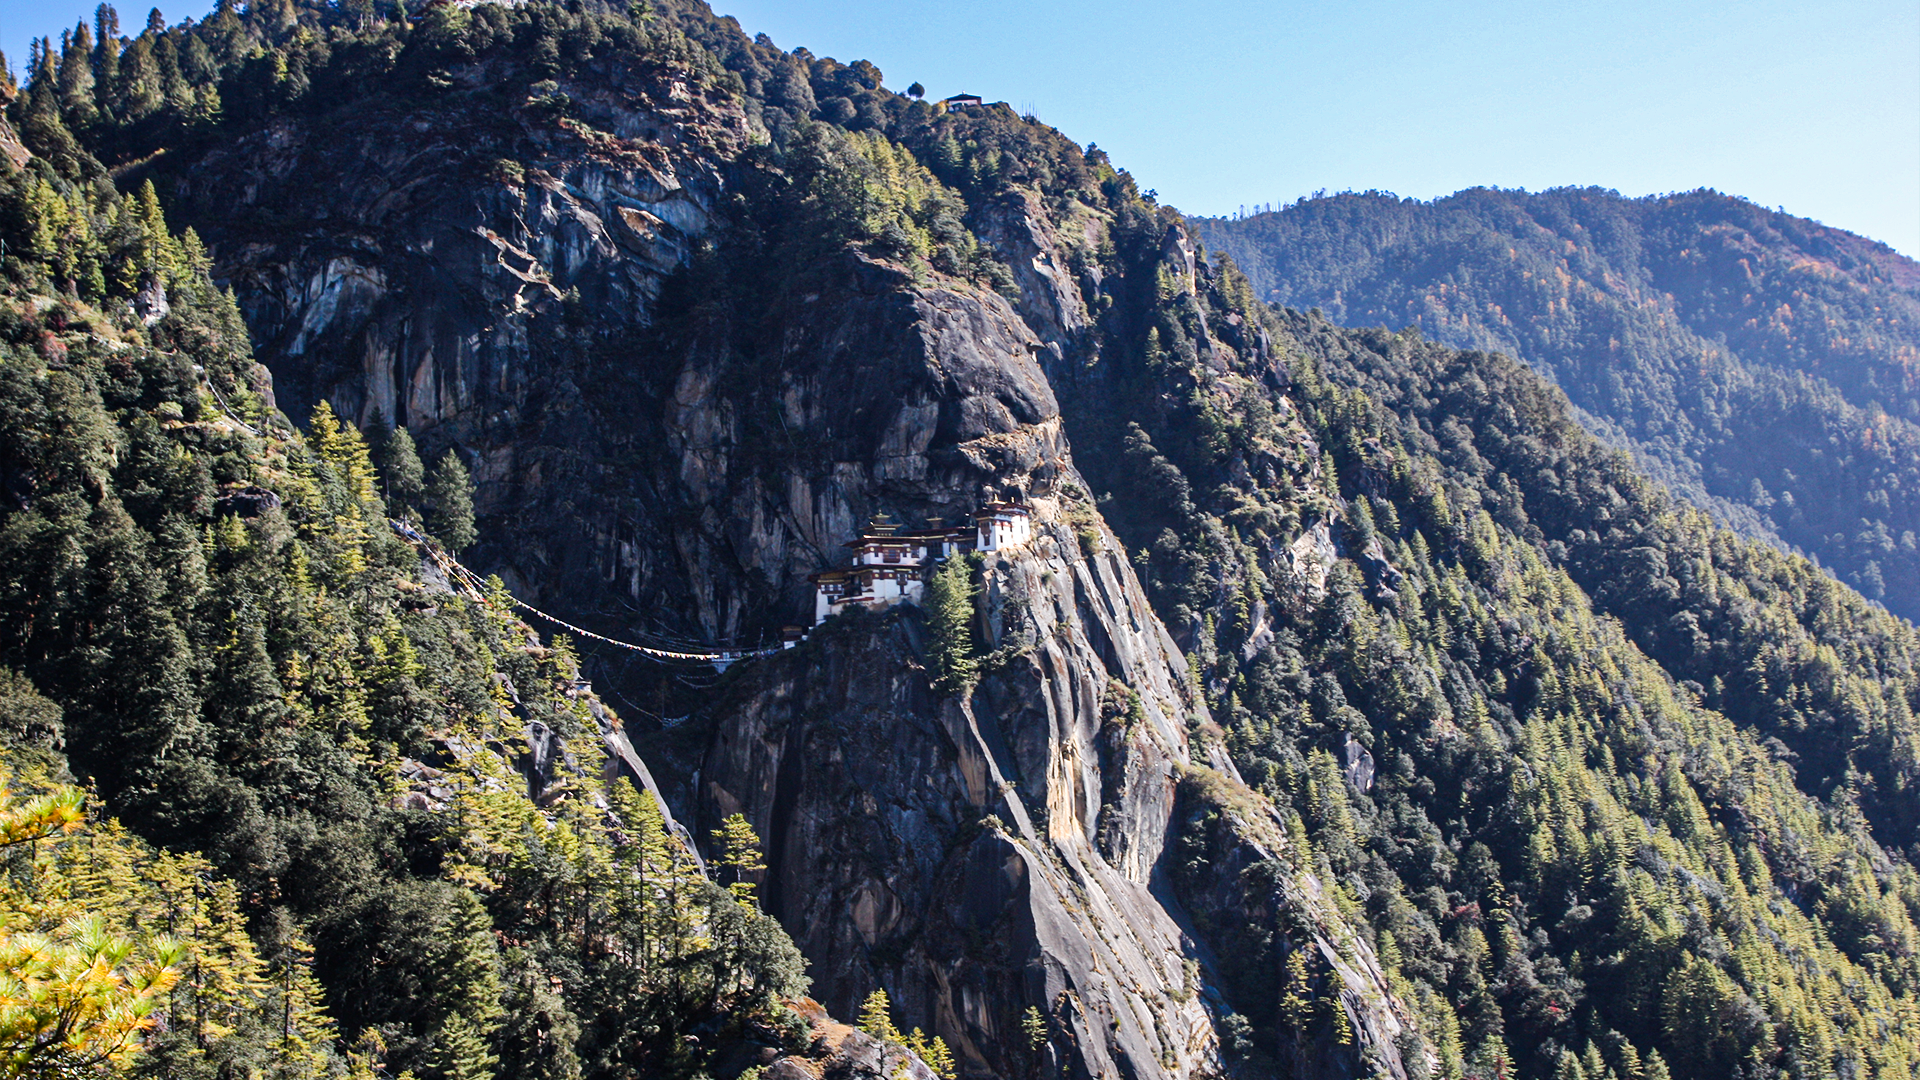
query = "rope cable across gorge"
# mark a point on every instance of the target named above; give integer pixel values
(473, 582)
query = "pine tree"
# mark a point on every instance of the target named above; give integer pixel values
(406, 477)
(85, 981)
(1338, 1021)
(1034, 1027)
(78, 998)
(1594, 1065)
(159, 257)
(222, 979)
(933, 1052)
(346, 482)
(76, 75)
(739, 853)
(31, 724)
(345, 452)
(106, 55)
(302, 1039)
(1630, 1064)
(539, 1037)
(642, 849)
(450, 495)
(1033, 1030)
(461, 1052)
(470, 964)
(24, 821)
(949, 610)
(140, 91)
(876, 1019)
(1296, 996)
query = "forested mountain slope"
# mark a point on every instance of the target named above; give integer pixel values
(363, 826)
(569, 331)
(1353, 713)
(1574, 697)
(1761, 364)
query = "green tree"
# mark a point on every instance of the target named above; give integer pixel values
(469, 965)
(876, 1017)
(740, 855)
(541, 1035)
(933, 1052)
(236, 676)
(1033, 1032)
(30, 723)
(450, 495)
(77, 999)
(461, 1052)
(76, 76)
(949, 612)
(404, 473)
(1711, 1025)
(106, 56)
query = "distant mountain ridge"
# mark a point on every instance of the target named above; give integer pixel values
(1762, 365)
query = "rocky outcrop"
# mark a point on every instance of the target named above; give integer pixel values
(840, 1052)
(980, 854)
(12, 150)
(1050, 300)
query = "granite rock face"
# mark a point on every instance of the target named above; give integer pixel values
(652, 457)
(398, 264)
(476, 274)
(974, 855)
(1051, 299)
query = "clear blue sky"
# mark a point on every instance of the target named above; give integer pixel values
(1223, 103)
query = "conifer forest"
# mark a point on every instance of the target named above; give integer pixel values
(428, 433)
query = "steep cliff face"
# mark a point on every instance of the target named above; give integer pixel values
(978, 855)
(656, 429)
(405, 260)
(975, 856)
(458, 266)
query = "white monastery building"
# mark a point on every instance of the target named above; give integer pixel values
(1002, 525)
(891, 566)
